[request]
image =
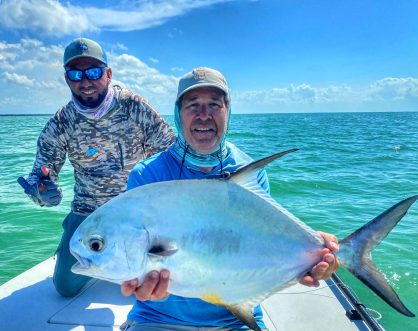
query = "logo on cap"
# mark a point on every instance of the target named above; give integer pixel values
(83, 47)
(199, 74)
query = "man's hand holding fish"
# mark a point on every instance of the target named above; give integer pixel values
(328, 265)
(154, 287)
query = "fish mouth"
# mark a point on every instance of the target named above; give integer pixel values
(81, 264)
(84, 266)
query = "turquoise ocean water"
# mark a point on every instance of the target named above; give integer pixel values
(350, 168)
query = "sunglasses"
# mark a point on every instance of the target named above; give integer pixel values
(94, 73)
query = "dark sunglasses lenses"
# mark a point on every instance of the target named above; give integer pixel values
(91, 74)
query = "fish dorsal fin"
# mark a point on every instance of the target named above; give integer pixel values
(247, 176)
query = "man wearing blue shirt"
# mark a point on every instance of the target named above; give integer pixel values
(202, 113)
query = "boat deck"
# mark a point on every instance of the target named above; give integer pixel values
(29, 302)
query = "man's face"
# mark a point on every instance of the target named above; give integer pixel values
(204, 117)
(89, 93)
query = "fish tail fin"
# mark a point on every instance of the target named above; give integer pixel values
(355, 252)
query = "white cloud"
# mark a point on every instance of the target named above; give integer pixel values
(53, 18)
(144, 14)
(158, 88)
(394, 89)
(174, 32)
(119, 47)
(31, 73)
(153, 60)
(179, 69)
(18, 79)
(31, 76)
(385, 94)
(44, 17)
(297, 94)
(9, 102)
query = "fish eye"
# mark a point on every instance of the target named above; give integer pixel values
(96, 244)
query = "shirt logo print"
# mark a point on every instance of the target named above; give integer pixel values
(93, 152)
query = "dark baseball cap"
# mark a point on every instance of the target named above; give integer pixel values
(83, 47)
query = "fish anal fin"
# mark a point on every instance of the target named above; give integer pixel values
(244, 313)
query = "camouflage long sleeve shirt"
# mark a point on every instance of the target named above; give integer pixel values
(103, 151)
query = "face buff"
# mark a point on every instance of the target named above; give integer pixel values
(180, 149)
(102, 109)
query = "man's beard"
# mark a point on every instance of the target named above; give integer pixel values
(92, 103)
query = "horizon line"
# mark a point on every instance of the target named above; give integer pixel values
(267, 113)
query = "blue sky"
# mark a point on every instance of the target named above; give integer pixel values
(278, 56)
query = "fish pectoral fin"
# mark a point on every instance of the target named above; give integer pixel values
(162, 248)
(244, 312)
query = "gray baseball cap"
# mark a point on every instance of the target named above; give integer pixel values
(83, 47)
(202, 77)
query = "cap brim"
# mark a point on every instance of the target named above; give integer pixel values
(193, 87)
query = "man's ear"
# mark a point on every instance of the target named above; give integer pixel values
(109, 73)
(66, 80)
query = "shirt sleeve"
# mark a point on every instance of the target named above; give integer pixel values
(160, 136)
(147, 171)
(51, 148)
(158, 133)
(135, 178)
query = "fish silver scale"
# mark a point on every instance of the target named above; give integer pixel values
(223, 242)
(230, 241)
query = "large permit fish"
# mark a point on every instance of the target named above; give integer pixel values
(224, 241)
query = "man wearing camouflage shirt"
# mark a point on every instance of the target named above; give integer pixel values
(104, 130)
